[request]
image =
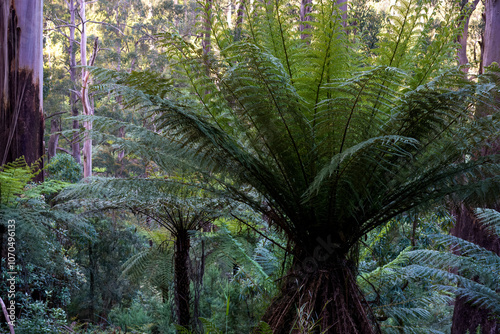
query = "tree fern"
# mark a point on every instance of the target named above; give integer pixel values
(333, 153)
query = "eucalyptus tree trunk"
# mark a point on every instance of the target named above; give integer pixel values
(467, 10)
(465, 316)
(182, 281)
(343, 8)
(75, 144)
(87, 105)
(84, 96)
(21, 78)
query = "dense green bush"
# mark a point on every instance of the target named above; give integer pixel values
(39, 318)
(65, 168)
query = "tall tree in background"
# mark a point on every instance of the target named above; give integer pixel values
(467, 317)
(491, 33)
(467, 10)
(87, 103)
(75, 144)
(21, 77)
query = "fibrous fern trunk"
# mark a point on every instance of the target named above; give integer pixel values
(321, 295)
(181, 262)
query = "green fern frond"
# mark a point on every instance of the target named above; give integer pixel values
(210, 328)
(490, 218)
(401, 35)
(14, 176)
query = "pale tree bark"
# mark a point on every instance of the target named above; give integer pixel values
(21, 78)
(75, 144)
(467, 10)
(87, 105)
(229, 14)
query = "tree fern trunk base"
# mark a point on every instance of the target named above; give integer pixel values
(326, 300)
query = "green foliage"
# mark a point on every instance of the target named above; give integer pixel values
(411, 290)
(320, 137)
(100, 259)
(366, 23)
(134, 318)
(63, 167)
(153, 264)
(38, 318)
(320, 141)
(14, 176)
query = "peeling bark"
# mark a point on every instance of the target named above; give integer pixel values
(21, 77)
(88, 108)
(75, 144)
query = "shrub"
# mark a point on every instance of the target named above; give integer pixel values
(65, 168)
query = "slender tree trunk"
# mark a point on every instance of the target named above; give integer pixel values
(240, 13)
(84, 96)
(229, 14)
(207, 22)
(119, 99)
(87, 105)
(92, 272)
(467, 10)
(182, 281)
(198, 273)
(54, 137)
(305, 10)
(342, 5)
(75, 144)
(321, 287)
(21, 78)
